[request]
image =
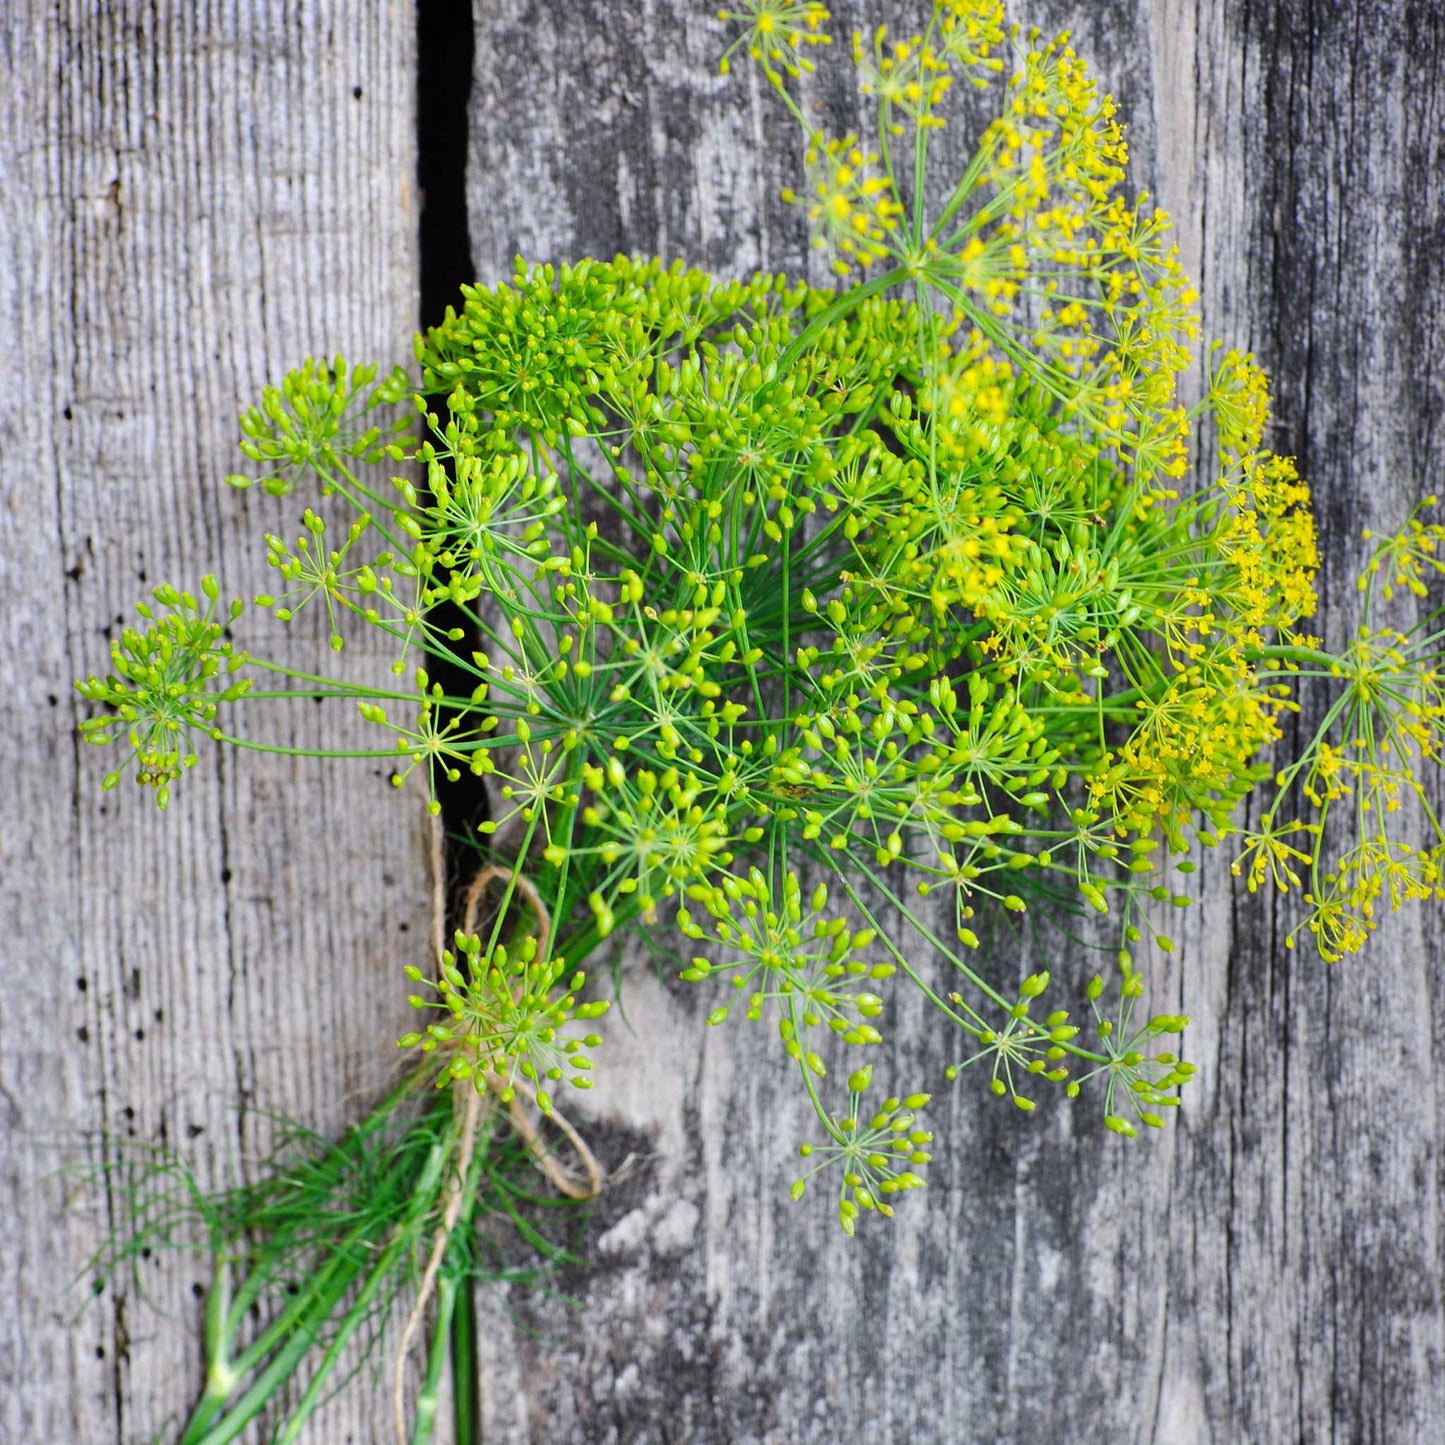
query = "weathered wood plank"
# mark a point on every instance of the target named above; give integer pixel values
(1269, 1270)
(192, 199)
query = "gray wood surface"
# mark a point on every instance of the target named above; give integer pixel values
(1269, 1270)
(193, 197)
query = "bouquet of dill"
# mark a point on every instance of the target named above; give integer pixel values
(777, 609)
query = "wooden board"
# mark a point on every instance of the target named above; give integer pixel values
(193, 198)
(1269, 1270)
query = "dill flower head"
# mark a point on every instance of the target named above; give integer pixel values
(170, 677)
(826, 632)
(510, 1009)
(776, 33)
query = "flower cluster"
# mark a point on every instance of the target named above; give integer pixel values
(776, 33)
(169, 679)
(1363, 771)
(510, 1010)
(826, 629)
(850, 206)
(875, 1159)
(316, 421)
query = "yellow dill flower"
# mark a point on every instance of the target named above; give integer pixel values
(1269, 856)
(1336, 929)
(969, 30)
(904, 76)
(1406, 555)
(851, 207)
(1239, 398)
(1193, 751)
(775, 33)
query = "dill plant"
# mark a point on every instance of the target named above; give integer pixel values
(783, 608)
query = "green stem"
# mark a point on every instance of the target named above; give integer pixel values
(302, 1327)
(983, 986)
(344, 1261)
(337, 1162)
(355, 689)
(422, 1201)
(1301, 656)
(466, 1404)
(979, 983)
(319, 1299)
(424, 1414)
(562, 830)
(199, 1430)
(246, 743)
(462, 1316)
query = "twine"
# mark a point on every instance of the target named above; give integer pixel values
(478, 1105)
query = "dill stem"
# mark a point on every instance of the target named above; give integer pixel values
(218, 1326)
(318, 1309)
(297, 1321)
(421, 1204)
(455, 1327)
(342, 1261)
(465, 1415)
(424, 1412)
(337, 1161)
(464, 1364)
(304, 1324)
(1301, 657)
(225, 1311)
(394, 753)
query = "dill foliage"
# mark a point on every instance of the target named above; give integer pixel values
(786, 608)
(308, 1261)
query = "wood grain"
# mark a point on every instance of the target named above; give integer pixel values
(193, 198)
(1269, 1270)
